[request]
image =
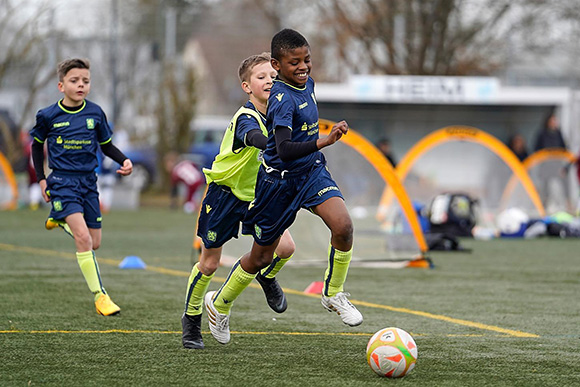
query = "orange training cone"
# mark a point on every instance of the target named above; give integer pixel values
(424, 263)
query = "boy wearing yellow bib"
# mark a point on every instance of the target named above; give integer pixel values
(231, 183)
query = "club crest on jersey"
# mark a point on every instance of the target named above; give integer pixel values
(57, 205)
(59, 140)
(279, 97)
(90, 123)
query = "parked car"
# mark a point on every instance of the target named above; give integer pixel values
(208, 132)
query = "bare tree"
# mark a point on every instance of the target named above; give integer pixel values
(153, 80)
(24, 57)
(174, 112)
(425, 37)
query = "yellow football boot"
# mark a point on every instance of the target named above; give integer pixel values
(50, 224)
(105, 306)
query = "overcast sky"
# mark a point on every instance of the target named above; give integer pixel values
(77, 17)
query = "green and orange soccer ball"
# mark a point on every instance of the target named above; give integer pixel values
(392, 352)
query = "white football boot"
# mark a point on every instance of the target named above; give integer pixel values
(219, 323)
(342, 306)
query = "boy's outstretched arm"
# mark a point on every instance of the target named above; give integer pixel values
(337, 131)
(114, 153)
(126, 169)
(289, 150)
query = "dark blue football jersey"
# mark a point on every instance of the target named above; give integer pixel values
(295, 108)
(245, 124)
(72, 138)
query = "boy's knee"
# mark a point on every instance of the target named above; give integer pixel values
(284, 250)
(209, 267)
(344, 232)
(84, 239)
(95, 240)
(209, 261)
(263, 260)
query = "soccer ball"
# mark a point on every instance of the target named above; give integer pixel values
(512, 222)
(392, 352)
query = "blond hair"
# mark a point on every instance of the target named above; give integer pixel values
(248, 64)
(68, 64)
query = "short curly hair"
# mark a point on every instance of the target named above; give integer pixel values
(285, 40)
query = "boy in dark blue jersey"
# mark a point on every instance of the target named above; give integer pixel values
(73, 130)
(232, 181)
(293, 176)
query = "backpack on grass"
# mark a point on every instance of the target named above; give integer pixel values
(453, 214)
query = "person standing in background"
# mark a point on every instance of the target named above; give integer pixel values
(550, 136)
(384, 146)
(517, 144)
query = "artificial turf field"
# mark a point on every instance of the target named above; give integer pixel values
(505, 314)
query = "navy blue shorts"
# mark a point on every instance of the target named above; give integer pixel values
(74, 192)
(220, 216)
(279, 198)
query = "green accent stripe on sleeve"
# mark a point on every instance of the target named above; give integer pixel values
(109, 140)
(39, 140)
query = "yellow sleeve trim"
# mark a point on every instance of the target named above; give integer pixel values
(109, 140)
(39, 140)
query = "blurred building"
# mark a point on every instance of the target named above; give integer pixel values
(405, 109)
(218, 44)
